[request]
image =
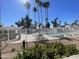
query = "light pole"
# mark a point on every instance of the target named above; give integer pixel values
(0, 14)
(0, 50)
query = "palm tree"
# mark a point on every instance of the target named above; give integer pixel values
(60, 23)
(55, 22)
(0, 21)
(0, 25)
(75, 22)
(18, 23)
(28, 22)
(37, 3)
(47, 25)
(40, 5)
(25, 22)
(28, 5)
(46, 6)
(65, 23)
(34, 10)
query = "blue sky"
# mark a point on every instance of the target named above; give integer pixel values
(65, 10)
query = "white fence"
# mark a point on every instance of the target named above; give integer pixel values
(15, 34)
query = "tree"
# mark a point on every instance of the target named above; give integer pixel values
(34, 10)
(60, 23)
(0, 25)
(47, 24)
(18, 23)
(40, 5)
(55, 22)
(65, 23)
(75, 22)
(37, 3)
(46, 6)
(25, 22)
(28, 5)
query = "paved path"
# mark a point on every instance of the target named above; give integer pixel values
(72, 57)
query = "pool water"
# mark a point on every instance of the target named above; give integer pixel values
(58, 34)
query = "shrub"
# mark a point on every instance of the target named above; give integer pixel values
(71, 50)
(48, 51)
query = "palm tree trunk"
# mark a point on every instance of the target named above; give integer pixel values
(38, 14)
(47, 13)
(37, 5)
(34, 17)
(28, 12)
(29, 17)
(27, 32)
(0, 14)
(26, 37)
(41, 18)
(35, 20)
(41, 15)
(0, 20)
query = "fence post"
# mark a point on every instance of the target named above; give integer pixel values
(8, 35)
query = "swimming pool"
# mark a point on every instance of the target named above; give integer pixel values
(58, 34)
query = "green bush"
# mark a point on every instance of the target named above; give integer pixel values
(48, 51)
(71, 50)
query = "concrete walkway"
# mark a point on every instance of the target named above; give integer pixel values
(72, 57)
